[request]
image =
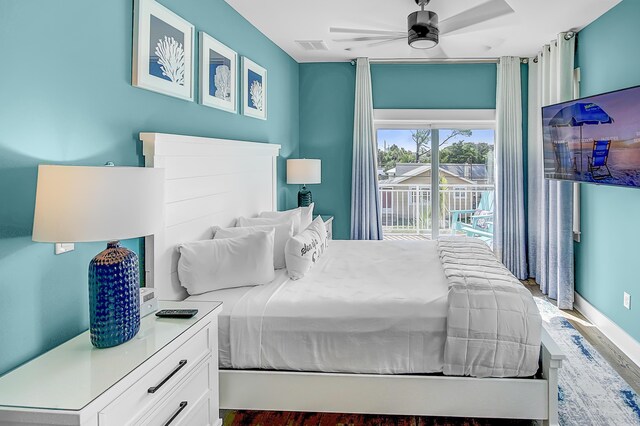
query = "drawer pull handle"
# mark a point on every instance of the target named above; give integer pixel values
(183, 405)
(155, 388)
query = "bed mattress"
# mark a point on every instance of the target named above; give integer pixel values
(229, 297)
(365, 307)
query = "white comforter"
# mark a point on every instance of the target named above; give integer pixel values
(366, 307)
(493, 324)
(389, 307)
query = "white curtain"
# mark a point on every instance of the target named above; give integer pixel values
(365, 203)
(550, 202)
(510, 246)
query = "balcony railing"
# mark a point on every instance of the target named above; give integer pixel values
(406, 209)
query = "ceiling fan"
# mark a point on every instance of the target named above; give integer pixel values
(424, 30)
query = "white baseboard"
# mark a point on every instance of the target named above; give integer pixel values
(619, 337)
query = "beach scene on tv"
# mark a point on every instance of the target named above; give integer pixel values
(595, 139)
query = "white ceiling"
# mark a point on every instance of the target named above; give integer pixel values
(522, 33)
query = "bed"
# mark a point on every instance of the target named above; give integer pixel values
(347, 325)
(341, 367)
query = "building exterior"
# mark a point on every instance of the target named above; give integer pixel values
(406, 193)
(455, 174)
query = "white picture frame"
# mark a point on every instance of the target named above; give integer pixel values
(163, 51)
(218, 74)
(254, 92)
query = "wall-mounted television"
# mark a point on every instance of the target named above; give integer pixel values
(594, 139)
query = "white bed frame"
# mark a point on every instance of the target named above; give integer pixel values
(213, 181)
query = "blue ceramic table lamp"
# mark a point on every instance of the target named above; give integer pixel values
(81, 204)
(304, 171)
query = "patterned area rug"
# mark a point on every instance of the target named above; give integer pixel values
(590, 393)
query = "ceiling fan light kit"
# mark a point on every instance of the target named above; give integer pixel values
(423, 29)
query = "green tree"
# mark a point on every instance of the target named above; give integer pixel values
(465, 152)
(387, 159)
(422, 139)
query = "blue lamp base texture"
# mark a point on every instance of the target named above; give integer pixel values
(304, 197)
(114, 296)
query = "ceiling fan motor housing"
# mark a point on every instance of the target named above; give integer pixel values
(423, 29)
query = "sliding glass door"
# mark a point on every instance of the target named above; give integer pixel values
(456, 200)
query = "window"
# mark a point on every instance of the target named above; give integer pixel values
(459, 198)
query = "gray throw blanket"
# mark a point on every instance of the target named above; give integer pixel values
(493, 323)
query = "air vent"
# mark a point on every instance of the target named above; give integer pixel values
(312, 44)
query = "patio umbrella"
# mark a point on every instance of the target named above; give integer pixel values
(580, 114)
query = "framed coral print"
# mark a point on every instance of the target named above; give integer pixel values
(218, 74)
(162, 50)
(254, 95)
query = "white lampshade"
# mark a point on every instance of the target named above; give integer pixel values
(303, 171)
(76, 204)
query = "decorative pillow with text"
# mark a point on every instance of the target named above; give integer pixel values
(305, 249)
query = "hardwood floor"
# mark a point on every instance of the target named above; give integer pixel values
(618, 360)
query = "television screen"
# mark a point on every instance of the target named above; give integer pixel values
(594, 139)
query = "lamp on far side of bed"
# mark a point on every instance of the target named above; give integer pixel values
(304, 172)
(84, 204)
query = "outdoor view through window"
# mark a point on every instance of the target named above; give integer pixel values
(466, 182)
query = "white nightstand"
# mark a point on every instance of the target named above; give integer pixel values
(328, 222)
(168, 373)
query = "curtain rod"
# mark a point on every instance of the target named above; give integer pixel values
(436, 61)
(431, 61)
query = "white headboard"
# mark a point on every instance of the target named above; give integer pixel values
(207, 182)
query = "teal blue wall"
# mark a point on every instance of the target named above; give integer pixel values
(66, 98)
(327, 93)
(434, 86)
(607, 256)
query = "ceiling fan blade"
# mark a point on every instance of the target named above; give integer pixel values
(391, 40)
(476, 15)
(437, 52)
(369, 38)
(360, 31)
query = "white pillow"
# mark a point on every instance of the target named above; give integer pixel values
(283, 232)
(270, 221)
(306, 215)
(321, 228)
(233, 262)
(303, 251)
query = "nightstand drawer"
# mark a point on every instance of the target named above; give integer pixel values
(201, 414)
(185, 406)
(159, 382)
